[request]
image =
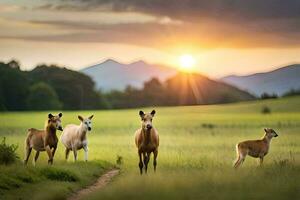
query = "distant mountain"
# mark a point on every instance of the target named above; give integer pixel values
(278, 81)
(111, 74)
(193, 89)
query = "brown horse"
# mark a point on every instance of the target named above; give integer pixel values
(254, 148)
(43, 140)
(147, 141)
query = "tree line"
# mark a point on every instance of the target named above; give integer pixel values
(182, 89)
(50, 87)
(46, 88)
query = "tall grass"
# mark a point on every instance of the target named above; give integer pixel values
(196, 153)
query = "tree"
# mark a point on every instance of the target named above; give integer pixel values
(2, 106)
(13, 87)
(116, 99)
(75, 90)
(292, 92)
(43, 97)
(154, 93)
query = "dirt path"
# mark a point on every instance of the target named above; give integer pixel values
(98, 185)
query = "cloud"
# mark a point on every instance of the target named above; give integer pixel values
(170, 23)
(11, 8)
(210, 35)
(247, 9)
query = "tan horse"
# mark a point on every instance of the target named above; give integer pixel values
(255, 148)
(74, 137)
(147, 141)
(43, 140)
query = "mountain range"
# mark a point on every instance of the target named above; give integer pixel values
(112, 75)
(278, 81)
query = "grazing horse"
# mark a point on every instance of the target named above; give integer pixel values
(254, 148)
(74, 137)
(147, 141)
(43, 140)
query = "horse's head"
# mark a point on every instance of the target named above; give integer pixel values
(86, 122)
(270, 133)
(147, 119)
(55, 121)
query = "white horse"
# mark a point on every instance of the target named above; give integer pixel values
(74, 137)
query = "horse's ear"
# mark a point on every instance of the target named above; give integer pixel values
(60, 114)
(80, 118)
(142, 114)
(153, 112)
(50, 116)
(266, 130)
(90, 117)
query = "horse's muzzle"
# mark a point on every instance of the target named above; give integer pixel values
(149, 127)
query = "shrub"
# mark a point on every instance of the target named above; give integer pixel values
(59, 175)
(209, 126)
(265, 110)
(268, 96)
(119, 160)
(8, 153)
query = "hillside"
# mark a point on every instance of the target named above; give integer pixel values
(278, 81)
(192, 89)
(111, 74)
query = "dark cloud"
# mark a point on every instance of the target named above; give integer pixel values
(205, 23)
(162, 36)
(241, 9)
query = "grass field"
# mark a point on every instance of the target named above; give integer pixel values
(197, 150)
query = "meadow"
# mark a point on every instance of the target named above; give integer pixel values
(196, 153)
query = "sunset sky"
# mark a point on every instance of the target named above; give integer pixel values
(224, 36)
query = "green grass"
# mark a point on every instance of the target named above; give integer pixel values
(194, 161)
(45, 182)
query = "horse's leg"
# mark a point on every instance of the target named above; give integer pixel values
(67, 151)
(85, 153)
(27, 154)
(75, 154)
(36, 157)
(53, 152)
(146, 160)
(261, 160)
(240, 161)
(49, 152)
(141, 162)
(155, 153)
(237, 161)
(241, 155)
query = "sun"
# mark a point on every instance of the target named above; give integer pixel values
(187, 62)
